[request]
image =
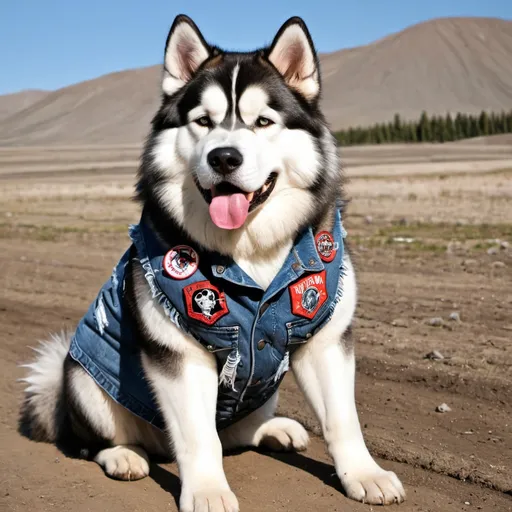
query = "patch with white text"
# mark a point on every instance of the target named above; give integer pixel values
(326, 246)
(308, 295)
(181, 262)
(205, 302)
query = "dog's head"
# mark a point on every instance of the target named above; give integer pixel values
(240, 156)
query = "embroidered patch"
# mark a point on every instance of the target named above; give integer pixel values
(181, 262)
(326, 246)
(308, 295)
(205, 302)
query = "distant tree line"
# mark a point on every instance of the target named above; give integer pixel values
(429, 129)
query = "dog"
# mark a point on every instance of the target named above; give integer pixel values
(236, 273)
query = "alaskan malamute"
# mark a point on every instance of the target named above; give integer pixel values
(236, 272)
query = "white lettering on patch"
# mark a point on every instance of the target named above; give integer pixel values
(300, 288)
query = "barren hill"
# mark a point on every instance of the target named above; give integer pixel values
(11, 104)
(450, 64)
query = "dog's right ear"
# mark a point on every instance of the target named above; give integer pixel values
(185, 51)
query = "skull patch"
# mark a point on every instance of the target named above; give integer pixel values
(205, 302)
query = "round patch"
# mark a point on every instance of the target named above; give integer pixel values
(181, 262)
(310, 299)
(325, 246)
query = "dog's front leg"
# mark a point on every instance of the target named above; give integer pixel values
(184, 378)
(186, 392)
(325, 370)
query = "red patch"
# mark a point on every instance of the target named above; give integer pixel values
(181, 262)
(205, 302)
(325, 246)
(308, 294)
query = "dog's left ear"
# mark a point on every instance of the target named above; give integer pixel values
(293, 54)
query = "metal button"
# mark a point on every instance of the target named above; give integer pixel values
(221, 269)
(210, 348)
(296, 266)
(261, 344)
(312, 262)
(308, 335)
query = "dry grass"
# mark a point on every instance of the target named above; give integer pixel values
(438, 206)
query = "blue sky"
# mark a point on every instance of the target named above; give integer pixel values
(47, 44)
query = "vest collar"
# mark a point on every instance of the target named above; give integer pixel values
(303, 257)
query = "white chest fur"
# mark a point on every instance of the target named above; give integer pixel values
(264, 268)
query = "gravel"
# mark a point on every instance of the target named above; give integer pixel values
(435, 355)
(454, 316)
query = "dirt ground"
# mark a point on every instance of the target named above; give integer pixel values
(426, 245)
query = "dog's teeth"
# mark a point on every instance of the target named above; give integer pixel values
(265, 188)
(250, 196)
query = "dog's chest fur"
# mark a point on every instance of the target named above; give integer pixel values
(263, 269)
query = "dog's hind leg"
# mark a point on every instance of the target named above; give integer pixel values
(119, 440)
(263, 429)
(128, 462)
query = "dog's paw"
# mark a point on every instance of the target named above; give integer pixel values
(209, 500)
(124, 462)
(375, 486)
(282, 434)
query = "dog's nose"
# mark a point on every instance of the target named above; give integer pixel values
(225, 160)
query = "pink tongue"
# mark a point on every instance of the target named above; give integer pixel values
(229, 211)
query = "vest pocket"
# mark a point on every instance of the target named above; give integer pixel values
(301, 330)
(223, 342)
(215, 339)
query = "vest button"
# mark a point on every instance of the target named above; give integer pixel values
(221, 269)
(261, 344)
(296, 266)
(308, 335)
(312, 262)
(210, 348)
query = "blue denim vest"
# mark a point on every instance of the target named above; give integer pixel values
(250, 331)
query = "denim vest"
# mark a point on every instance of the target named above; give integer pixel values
(206, 295)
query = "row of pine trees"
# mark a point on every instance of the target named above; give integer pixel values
(429, 129)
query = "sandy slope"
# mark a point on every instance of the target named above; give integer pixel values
(454, 64)
(11, 104)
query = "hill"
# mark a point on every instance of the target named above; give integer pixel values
(11, 104)
(448, 64)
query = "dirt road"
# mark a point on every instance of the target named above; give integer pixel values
(419, 257)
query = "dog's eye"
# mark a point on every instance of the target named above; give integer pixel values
(263, 122)
(204, 121)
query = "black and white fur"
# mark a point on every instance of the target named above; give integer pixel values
(213, 98)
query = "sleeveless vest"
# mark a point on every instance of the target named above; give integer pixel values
(207, 296)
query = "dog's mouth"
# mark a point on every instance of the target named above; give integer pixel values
(230, 205)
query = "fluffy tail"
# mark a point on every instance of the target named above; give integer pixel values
(42, 413)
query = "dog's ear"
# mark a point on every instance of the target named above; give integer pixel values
(185, 51)
(293, 54)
